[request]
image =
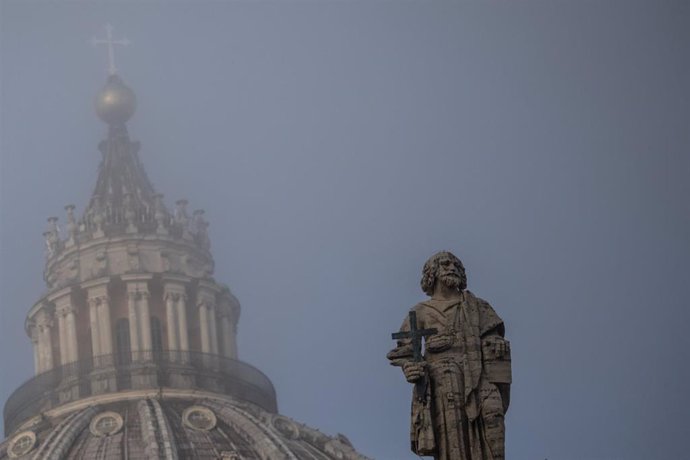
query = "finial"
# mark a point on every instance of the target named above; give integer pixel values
(97, 217)
(115, 103)
(130, 213)
(201, 229)
(71, 225)
(109, 42)
(52, 237)
(159, 214)
(181, 217)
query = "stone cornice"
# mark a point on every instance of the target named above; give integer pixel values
(59, 294)
(98, 282)
(131, 395)
(172, 278)
(137, 277)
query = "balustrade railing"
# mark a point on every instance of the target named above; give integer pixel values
(135, 371)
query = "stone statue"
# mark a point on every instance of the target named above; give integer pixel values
(462, 381)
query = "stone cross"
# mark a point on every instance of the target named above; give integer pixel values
(109, 42)
(415, 335)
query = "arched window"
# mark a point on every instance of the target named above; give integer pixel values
(156, 336)
(123, 355)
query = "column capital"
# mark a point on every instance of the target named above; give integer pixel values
(138, 295)
(98, 300)
(206, 294)
(175, 279)
(207, 285)
(33, 333)
(43, 319)
(174, 296)
(137, 285)
(64, 309)
(176, 286)
(205, 301)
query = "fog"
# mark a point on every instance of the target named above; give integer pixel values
(335, 145)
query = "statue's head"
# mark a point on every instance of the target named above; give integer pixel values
(445, 268)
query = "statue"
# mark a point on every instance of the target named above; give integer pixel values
(462, 381)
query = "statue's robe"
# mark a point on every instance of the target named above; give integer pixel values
(460, 415)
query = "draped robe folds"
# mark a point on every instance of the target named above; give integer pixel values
(460, 415)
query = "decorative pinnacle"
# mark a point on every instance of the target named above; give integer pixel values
(109, 42)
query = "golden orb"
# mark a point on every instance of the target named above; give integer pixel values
(115, 103)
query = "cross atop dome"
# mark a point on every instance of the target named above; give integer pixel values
(109, 42)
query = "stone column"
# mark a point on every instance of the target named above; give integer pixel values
(171, 300)
(203, 326)
(37, 350)
(133, 321)
(182, 322)
(67, 327)
(99, 314)
(62, 337)
(227, 336)
(229, 315)
(145, 322)
(105, 325)
(72, 344)
(175, 294)
(213, 328)
(139, 314)
(206, 301)
(44, 323)
(93, 322)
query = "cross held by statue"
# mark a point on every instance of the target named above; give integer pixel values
(415, 335)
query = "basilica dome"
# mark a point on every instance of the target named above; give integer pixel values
(134, 340)
(171, 426)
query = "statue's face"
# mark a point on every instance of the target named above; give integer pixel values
(449, 271)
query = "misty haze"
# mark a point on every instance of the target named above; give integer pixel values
(334, 146)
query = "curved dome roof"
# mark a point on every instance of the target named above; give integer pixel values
(152, 427)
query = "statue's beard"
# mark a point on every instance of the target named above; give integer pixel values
(451, 281)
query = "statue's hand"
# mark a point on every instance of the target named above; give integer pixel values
(414, 370)
(400, 355)
(439, 342)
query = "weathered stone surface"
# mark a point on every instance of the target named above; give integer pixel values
(462, 382)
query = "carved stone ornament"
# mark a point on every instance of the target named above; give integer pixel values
(199, 418)
(21, 444)
(286, 427)
(106, 424)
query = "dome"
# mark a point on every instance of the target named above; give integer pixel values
(169, 427)
(135, 342)
(116, 102)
